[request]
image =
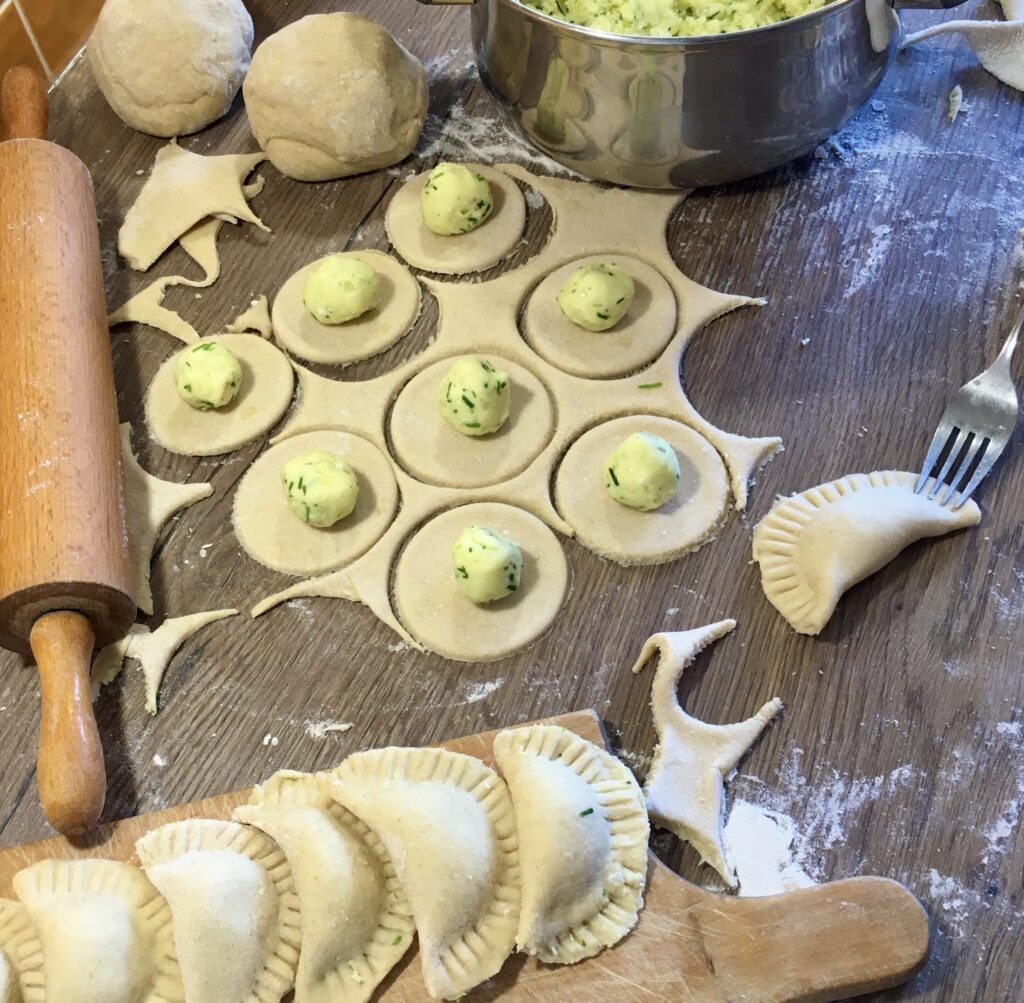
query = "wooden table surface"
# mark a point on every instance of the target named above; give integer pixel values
(895, 250)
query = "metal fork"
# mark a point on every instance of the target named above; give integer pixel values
(974, 429)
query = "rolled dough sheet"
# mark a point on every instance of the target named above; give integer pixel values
(475, 251)
(375, 332)
(183, 189)
(434, 452)
(628, 536)
(272, 534)
(636, 341)
(432, 608)
(266, 392)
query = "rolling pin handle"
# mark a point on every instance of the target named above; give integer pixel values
(72, 779)
(24, 108)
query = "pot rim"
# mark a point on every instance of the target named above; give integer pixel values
(663, 43)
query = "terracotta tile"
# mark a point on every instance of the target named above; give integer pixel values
(15, 45)
(61, 27)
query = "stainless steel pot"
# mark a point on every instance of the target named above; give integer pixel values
(684, 112)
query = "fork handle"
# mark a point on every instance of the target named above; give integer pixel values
(1006, 353)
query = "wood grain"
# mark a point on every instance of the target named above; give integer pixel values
(899, 722)
(824, 943)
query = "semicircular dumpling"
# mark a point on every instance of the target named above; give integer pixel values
(583, 834)
(235, 912)
(447, 823)
(356, 922)
(815, 545)
(105, 932)
(21, 956)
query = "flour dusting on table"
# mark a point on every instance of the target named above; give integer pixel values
(476, 692)
(477, 129)
(319, 730)
(758, 844)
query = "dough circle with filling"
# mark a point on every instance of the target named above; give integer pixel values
(432, 451)
(263, 397)
(475, 251)
(341, 344)
(636, 341)
(433, 609)
(628, 536)
(270, 532)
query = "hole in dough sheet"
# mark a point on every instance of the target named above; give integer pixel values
(635, 342)
(272, 534)
(463, 253)
(429, 449)
(302, 335)
(628, 536)
(266, 392)
(432, 608)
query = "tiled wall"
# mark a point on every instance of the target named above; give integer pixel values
(44, 34)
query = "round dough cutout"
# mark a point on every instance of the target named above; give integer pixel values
(266, 392)
(429, 449)
(475, 251)
(433, 609)
(342, 344)
(269, 531)
(628, 536)
(635, 342)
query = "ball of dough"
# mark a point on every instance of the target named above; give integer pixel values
(455, 200)
(170, 67)
(340, 289)
(334, 94)
(487, 565)
(643, 472)
(474, 396)
(321, 488)
(597, 297)
(207, 375)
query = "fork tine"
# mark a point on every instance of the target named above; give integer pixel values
(955, 448)
(984, 468)
(934, 452)
(973, 453)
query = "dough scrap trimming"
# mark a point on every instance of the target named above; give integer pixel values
(153, 650)
(150, 502)
(685, 788)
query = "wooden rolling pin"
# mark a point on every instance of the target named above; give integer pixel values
(66, 580)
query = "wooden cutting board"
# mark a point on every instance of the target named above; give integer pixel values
(829, 942)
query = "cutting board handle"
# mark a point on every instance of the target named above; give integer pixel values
(829, 942)
(72, 778)
(24, 108)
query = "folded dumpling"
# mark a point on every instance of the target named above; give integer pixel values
(105, 932)
(235, 912)
(815, 545)
(448, 825)
(356, 922)
(583, 834)
(21, 956)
